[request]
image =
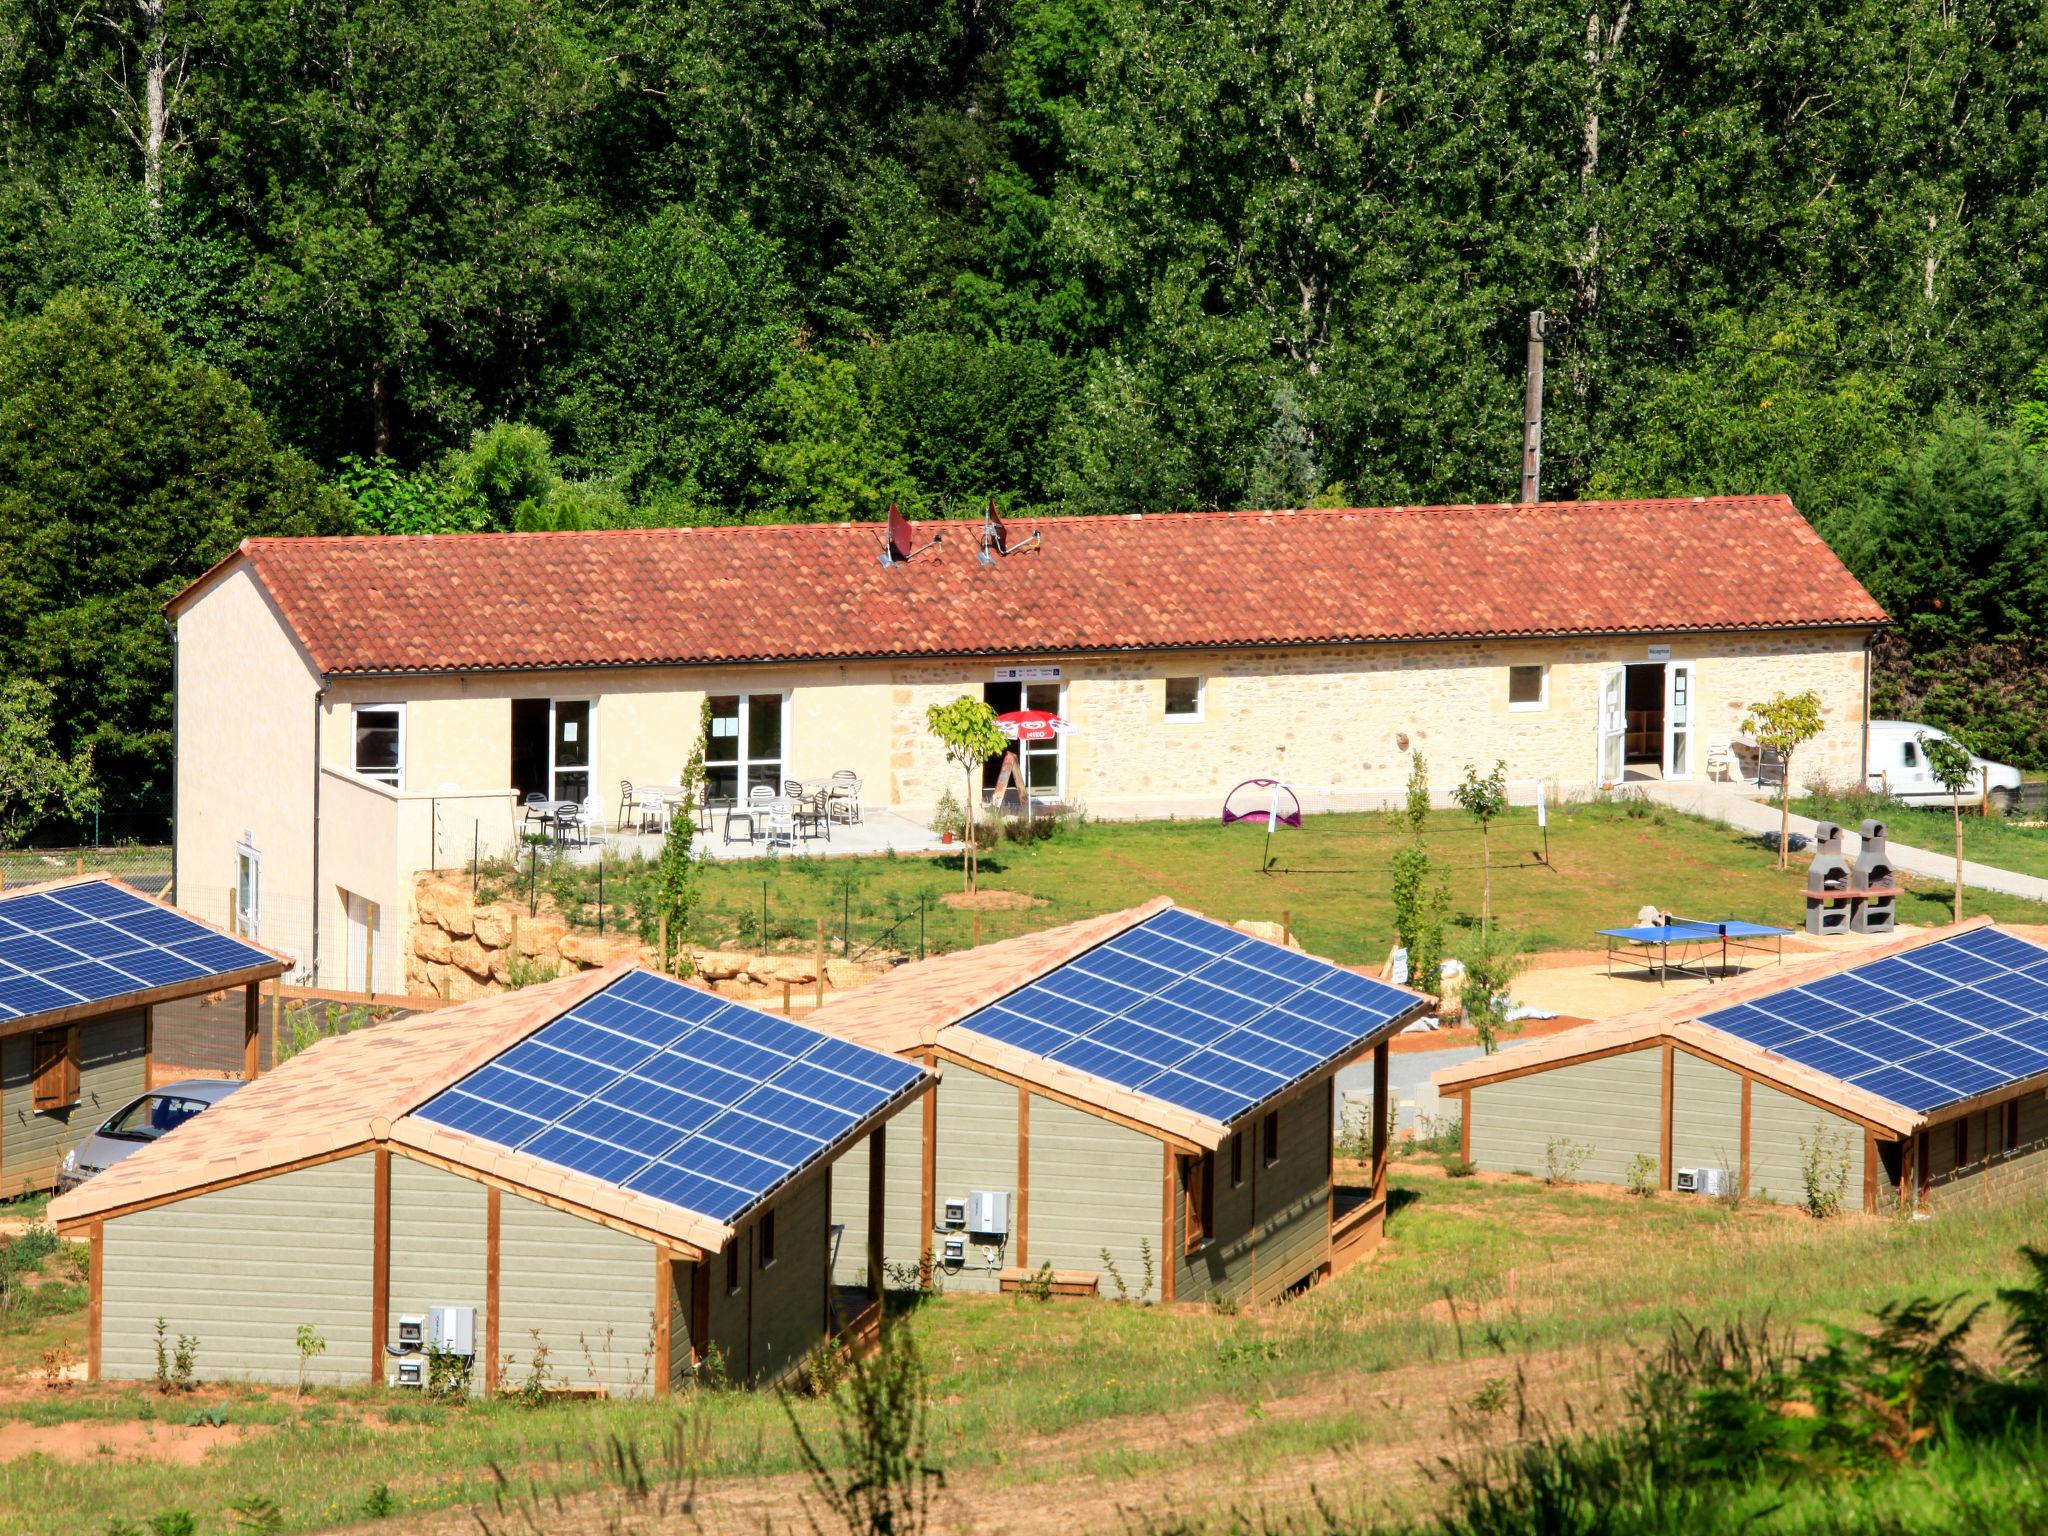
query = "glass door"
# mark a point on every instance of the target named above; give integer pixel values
(1613, 723)
(746, 745)
(1678, 720)
(1041, 765)
(248, 892)
(569, 750)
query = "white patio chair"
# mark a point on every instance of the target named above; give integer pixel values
(781, 823)
(1721, 762)
(846, 796)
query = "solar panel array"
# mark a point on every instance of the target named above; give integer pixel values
(1926, 1028)
(95, 942)
(673, 1093)
(1191, 1012)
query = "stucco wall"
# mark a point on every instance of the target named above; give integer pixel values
(240, 1269)
(110, 1073)
(245, 724)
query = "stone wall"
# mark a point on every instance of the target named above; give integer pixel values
(458, 950)
(1346, 719)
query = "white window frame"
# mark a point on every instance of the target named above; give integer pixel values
(1201, 709)
(746, 760)
(555, 738)
(248, 919)
(1542, 700)
(396, 779)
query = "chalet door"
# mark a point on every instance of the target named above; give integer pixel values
(1678, 733)
(1613, 723)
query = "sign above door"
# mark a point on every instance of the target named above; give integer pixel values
(1027, 674)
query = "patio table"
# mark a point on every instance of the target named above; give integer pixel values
(662, 799)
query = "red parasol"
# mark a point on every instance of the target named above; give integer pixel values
(1032, 725)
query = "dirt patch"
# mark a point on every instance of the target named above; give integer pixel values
(183, 1445)
(991, 901)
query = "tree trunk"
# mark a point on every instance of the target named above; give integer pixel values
(1785, 817)
(380, 413)
(155, 69)
(1956, 804)
(1485, 884)
(968, 859)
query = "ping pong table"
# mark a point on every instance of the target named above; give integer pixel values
(1695, 941)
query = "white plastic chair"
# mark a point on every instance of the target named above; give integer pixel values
(1720, 758)
(781, 822)
(846, 796)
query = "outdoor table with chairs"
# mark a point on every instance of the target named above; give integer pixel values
(800, 809)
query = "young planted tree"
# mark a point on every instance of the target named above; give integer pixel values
(1419, 895)
(967, 727)
(1485, 797)
(675, 870)
(1953, 768)
(1782, 724)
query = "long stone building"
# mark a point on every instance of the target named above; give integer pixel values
(351, 711)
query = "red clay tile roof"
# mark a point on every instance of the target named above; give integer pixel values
(628, 597)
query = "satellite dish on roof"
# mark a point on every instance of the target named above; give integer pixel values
(898, 541)
(995, 537)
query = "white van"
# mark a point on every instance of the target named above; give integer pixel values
(1899, 767)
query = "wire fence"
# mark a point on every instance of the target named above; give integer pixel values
(146, 866)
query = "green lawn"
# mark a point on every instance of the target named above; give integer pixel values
(1605, 861)
(1027, 1394)
(1993, 840)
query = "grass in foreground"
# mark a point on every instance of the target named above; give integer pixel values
(1605, 860)
(1030, 1394)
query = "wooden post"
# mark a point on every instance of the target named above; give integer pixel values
(1380, 1094)
(96, 1248)
(234, 921)
(977, 930)
(276, 1013)
(1465, 1127)
(380, 1262)
(664, 1320)
(1870, 1172)
(878, 1181)
(1020, 1227)
(1742, 1175)
(1664, 1121)
(785, 1000)
(1286, 926)
(81, 864)
(492, 1273)
(660, 939)
(252, 1023)
(819, 978)
(1169, 1250)
(149, 1047)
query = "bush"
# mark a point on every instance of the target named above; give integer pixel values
(1824, 1170)
(1642, 1175)
(1562, 1159)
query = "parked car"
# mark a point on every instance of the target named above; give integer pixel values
(138, 1123)
(1898, 767)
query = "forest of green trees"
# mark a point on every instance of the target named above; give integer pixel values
(409, 265)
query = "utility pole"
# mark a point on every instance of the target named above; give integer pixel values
(1532, 413)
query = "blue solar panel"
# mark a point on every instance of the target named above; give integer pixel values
(1977, 1020)
(98, 941)
(674, 1093)
(1194, 1013)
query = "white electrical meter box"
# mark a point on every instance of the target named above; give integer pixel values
(409, 1371)
(953, 1213)
(988, 1212)
(953, 1251)
(452, 1330)
(1686, 1181)
(412, 1332)
(1711, 1181)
